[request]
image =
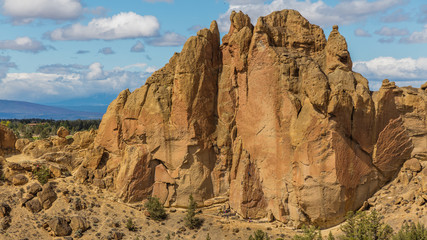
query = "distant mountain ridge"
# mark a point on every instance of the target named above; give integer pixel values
(22, 110)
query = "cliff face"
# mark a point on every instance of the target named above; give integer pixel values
(273, 119)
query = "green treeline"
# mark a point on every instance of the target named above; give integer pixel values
(43, 128)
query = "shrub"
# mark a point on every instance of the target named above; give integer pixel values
(411, 232)
(42, 174)
(366, 226)
(259, 235)
(309, 233)
(155, 209)
(208, 237)
(130, 225)
(191, 221)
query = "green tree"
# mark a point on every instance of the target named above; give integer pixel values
(366, 226)
(309, 233)
(155, 209)
(411, 232)
(191, 221)
(259, 235)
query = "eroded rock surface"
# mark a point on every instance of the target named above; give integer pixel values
(274, 119)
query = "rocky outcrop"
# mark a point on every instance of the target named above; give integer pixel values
(7, 140)
(273, 119)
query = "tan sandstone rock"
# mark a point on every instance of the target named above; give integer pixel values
(273, 119)
(7, 139)
(62, 132)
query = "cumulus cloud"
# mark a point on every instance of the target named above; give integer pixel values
(416, 37)
(124, 25)
(5, 65)
(24, 44)
(317, 12)
(392, 32)
(106, 51)
(361, 33)
(404, 70)
(168, 39)
(61, 82)
(397, 16)
(138, 47)
(25, 11)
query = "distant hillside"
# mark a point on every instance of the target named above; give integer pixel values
(22, 110)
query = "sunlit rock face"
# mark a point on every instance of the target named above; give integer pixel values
(273, 119)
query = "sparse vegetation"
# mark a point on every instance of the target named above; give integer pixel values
(191, 221)
(411, 232)
(208, 237)
(309, 233)
(42, 174)
(155, 209)
(259, 235)
(42, 128)
(130, 225)
(366, 226)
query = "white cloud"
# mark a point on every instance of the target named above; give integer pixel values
(24, 44)
(25, 11)
(416, 37)
(138, 47)
(70, 82)
(392, 32)
(106, 51)
(96, 71)
(151, 69)
(399, 70)
(168, 39)
(361, 33)
(121, 26)
(317, 12)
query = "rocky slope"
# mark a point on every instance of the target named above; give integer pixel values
(273, 121)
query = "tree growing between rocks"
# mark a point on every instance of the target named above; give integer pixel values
(155, 209)
(191, 221)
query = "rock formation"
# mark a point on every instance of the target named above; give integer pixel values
(7, 140)
(273, 119)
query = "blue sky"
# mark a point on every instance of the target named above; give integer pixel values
(84, 52)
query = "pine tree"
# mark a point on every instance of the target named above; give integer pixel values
(191, 221)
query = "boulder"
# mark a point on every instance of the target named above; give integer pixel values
(62, 132)
(7, 139)
(34, 188)
(21, 144)
(79, 223)
(34, 205)
(59, 226)
(4, 210)
(47, 196)
(19, 179)
(412, 165)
